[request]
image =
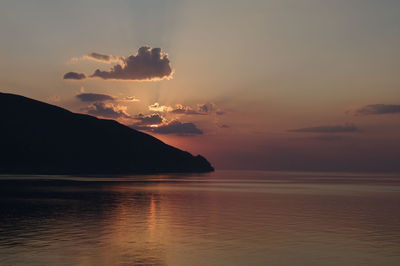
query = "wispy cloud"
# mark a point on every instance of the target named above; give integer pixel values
(98, 57)
(105, 58)
(129, 99)
(94, 97)
(378, 109)
(327, 129)
(180, 109)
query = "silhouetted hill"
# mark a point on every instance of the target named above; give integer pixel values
(39, 138)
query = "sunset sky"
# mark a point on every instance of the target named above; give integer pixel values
(259, 84)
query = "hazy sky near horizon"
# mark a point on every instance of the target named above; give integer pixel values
(260, 84)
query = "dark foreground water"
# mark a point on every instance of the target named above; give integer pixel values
(223, 218)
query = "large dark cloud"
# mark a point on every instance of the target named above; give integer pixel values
(94, 97)
(379, 109)
(152, 119)
(74, 75)
(327, 129)
(147, 64)
(107, 110)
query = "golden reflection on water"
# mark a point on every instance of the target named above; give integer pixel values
(220, 219)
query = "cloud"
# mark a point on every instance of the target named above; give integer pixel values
(202, 109)
(98, 97)
(181, 109)
(107, 110)
(329, 138)
(156, 107)
(147, 64)
(100, 57)
(327, 129)
(178, 128)
(130, 99)
(174, 127)
(104, 58)
(94, 97)
(74, 75)
(153, 119)
(378, 109)
(178, 109)
(206, 108)
(224, 126)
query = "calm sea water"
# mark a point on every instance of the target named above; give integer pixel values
(222, 218)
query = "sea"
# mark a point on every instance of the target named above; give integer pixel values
(219, 218)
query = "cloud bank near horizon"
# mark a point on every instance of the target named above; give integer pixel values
(327, 129)
(378, 109)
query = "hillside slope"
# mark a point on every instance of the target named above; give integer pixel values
(39, 138)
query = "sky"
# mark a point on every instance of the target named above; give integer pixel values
(261, 84)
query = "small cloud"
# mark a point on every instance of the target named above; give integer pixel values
(97, 57)
(100, 57)
(181, 109)
(148, 64)
(379, 109)
(107, 110)
(156, 107)
(327, 129)
(105, 58)
(130, 99)
(94, 97)
(74, 75)
(224, 126)
(209, 108)
(206, 108)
